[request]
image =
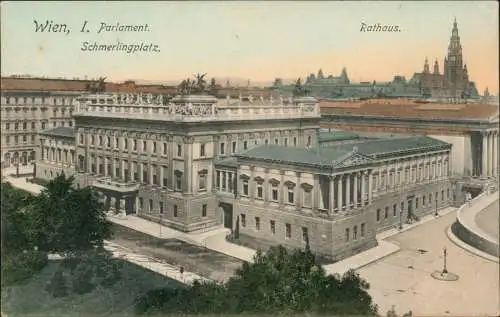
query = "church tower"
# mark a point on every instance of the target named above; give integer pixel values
(454, 68)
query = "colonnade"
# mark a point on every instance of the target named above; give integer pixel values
(353, 190)
(489, 154)
(225, 181)
(58, 155)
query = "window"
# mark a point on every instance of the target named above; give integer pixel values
(154, 147)
(355, 233)
(274, 192)
(272, 224)
(144, 146)
(125, 144)
(362, 230)
(202, 180)
(442, 195)
(117, 143)
(164, 148)
(286, 141)
(291, 198)
(16, 139)
(108, 142)
(294, 141)
(81, 139)
(16, 126)
(243, 220)
(378, 214)
(32, 126)
(141, 203)
(25, 139)
(222, 148)
(416, 203)
(150, 205)
(178, 181)
(100, 140)
(257, 223)
(7, 126)
(423, 200)
(7, 139)
(276, 141)
(176, 212)
(165, 171)
(204, 210)
(430, 199)
(347, 234)
(234, 147)
(394, 210)
(402, 206)
(245, 187)
(218, 179)
(245, 145)
(32, 138)
(288, 231)
(307, 201)
(135, 146)
(448, 193)
(260, 191)
(266, 142)
(202, 150)
(309, 141)
(305, 235)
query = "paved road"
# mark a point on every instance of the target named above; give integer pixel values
(205, 262)
(489, 221)
(403, 278)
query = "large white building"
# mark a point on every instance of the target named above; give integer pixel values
(262, 169)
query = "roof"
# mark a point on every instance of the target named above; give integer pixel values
(344, 155)
(74, 85)
(226, 161)
(407, 109)
(337, 136)
(65, 132)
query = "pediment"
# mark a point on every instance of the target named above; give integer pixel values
(353, 159)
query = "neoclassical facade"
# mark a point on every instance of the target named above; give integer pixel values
(23, 115)
(262, 169)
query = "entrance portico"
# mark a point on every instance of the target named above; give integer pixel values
(489, 153)
(118, 197)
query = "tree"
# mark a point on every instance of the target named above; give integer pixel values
(57, 286)
(66, 220)
(212, 88)
(278, 282)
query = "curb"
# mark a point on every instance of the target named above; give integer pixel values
(459, 243)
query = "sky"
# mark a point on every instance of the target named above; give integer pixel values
(258, 41)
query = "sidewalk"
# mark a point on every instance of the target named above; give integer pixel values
(151, 264)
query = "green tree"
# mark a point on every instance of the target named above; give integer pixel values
(66, 220)
(278, 282)
(57, 286)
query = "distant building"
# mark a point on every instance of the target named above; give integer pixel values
(453, 83)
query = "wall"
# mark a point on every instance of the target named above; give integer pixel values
(460, 152)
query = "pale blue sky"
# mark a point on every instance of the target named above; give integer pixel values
(255, 40)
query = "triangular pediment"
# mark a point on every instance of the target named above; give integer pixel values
(353, 159)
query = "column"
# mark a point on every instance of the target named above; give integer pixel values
(150, 168)
(484, 155)
(141, 172)
(355, 189)
(161, 177)
(122, 171)
(281, 189)
(113, 167)
(226, 181)
(495, 154)
(348, 192)
(188, 164)
(316, 189)
(363, 184)
(132, 167)
(339, 192)
(298, 191)
(331, 194)
(370, 180)
(129, 205)
(490, 154)
(265, 186)
(105, 166)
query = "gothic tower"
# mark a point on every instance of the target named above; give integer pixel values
(454, 69)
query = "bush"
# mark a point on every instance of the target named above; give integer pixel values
(57, 286)
(21, 266)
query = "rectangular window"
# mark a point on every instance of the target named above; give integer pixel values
(288, 231)
(117, 143)
(257, 223)
(307, 197)
(178, 182)
(355, 233)
(7, 126)
(347, 234)
(150, 205)
(291, 198)
(144, 146)
(243, 220)
(222, 148)
(305, 235)
(286, 141)
(416, 203)
(203, 181)
(274, 192)
(202, 150)
(266, 142)
(25, 126)
(245, 145)
(448, 193)
(141, 203)
(386, 214)
(204, 210)
(245, 187)
(394, 210)
(179, 150)
(378, 214)
(294, 141)
(234, 147)
(259, 191)
(154, 147)
(176, 212)
(218, 180)
(32, 126)
(135, 146)
(423, 200)
(164, 148)
(125, 144)
(272, 224)
(276, 141)
(442, 195)
(362, 230)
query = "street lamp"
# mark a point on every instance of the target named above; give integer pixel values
(445, 271)
(436, 213)
(401, 218)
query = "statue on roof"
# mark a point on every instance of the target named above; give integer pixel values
(96, 86)
(250, 99)
(271, 99)
(261, 98)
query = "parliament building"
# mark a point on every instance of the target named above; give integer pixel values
(265, 170)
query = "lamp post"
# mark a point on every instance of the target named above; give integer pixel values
(161, 214)
(445, 271)
(436, 213)
(401, 218)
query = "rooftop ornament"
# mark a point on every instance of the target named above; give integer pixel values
(198, 86)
